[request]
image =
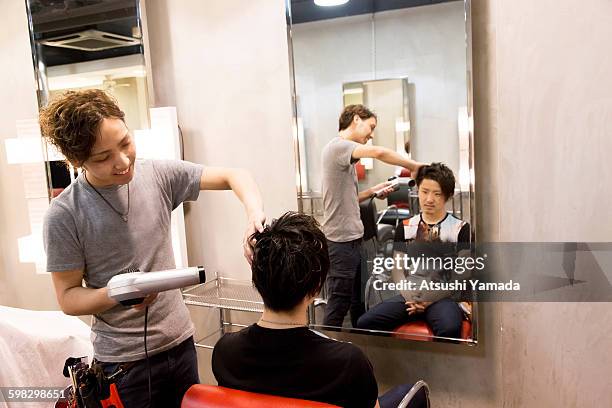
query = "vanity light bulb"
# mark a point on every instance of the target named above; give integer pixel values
(328, 3)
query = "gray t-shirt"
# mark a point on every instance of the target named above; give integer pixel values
(81, 231)
(342, 220)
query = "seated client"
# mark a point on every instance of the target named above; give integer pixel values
(433, 233)
(280, 355)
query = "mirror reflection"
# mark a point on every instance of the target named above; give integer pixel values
(93, 44)
(390, 100)
(380, 90)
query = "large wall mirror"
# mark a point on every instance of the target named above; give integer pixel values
(410, 62)
(89, 44)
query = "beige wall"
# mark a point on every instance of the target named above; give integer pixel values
(541, 73)
(553, 118)
(224, 65)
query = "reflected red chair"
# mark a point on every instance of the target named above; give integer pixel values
(405, 173)
(212, 396)
(361, 171)
(420, 330)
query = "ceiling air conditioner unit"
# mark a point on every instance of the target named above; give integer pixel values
(91, 40)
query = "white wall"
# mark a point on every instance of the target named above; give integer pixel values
(424, 44)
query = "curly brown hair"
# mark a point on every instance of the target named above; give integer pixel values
(72, 121)
(349, 112)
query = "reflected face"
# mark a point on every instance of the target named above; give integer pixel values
(431, 198)
(364, 129)
(113, 155)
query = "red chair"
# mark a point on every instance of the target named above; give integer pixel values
(56, 191)
(405, 173)
(420, 330)
(361, 171)
(212, 396)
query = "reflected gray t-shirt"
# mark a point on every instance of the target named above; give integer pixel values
(81, 231)
(342, 220)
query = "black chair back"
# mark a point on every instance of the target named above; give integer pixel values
(368, 218)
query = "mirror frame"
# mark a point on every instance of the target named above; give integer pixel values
(306, 195)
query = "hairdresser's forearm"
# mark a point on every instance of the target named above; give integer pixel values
(390, 157)
(78, 301)
(245, 188)
(365, 194)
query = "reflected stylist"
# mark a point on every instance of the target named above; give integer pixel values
(342, 222)
(114, 218)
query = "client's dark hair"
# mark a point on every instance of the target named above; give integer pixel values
(440, 173)
(290, 261)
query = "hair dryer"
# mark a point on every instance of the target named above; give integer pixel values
(131, 288)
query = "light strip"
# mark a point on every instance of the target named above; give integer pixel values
(329, 3)
(353, 91)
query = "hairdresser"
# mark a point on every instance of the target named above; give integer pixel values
(115, 218)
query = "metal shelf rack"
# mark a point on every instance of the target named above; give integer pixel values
(223, 294)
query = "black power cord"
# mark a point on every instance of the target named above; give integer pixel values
(146, 352)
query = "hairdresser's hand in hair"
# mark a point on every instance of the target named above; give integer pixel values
(416, 307)
(256, 223)
(146, 302)
(414, 173)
